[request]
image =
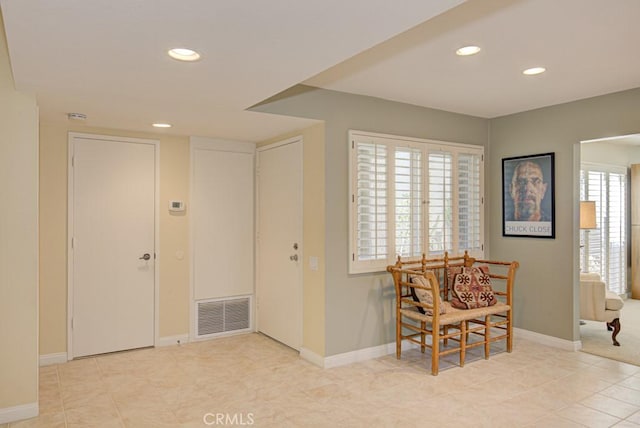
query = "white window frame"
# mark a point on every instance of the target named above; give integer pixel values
(426, 146)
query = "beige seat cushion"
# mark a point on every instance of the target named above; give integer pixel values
(613, 301)
(453, 315)
(589, 276)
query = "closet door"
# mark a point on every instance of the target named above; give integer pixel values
(112, 244)
(223, 223)
(280, 249)
(222, 237)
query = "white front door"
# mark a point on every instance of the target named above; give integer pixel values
(112, 244)
(280, 255)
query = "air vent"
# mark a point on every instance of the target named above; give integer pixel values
(223, 316)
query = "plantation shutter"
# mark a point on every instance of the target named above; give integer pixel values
(469, 202)
(371, 194)
(440, 203)
(604, 248)
(616, 271)
(408, 202)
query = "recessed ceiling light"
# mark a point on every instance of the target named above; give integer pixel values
(162, 125)
(183, 54)
(534, 70)
(468, 50)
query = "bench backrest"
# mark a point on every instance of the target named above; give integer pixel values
(502, 274)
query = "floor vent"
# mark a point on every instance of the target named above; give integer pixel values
(223, 316)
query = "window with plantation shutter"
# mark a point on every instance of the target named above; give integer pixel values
(410, 197)
(603, 250)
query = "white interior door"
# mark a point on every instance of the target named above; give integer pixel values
(112, 252)
(279, 282)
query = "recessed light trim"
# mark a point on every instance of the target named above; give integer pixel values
(534, 70)
(161, 125)
(468, 50)
(184, 54)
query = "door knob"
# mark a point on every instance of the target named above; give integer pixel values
(294, 258)
(145, 256)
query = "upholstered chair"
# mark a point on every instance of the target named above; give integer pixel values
(599, 304)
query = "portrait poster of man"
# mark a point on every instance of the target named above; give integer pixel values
(528, 196)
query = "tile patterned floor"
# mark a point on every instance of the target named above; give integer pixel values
(251, 380)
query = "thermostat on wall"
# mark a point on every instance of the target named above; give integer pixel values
(176, 206)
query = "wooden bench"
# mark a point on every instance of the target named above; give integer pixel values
(489, 324)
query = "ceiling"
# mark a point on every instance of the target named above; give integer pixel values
(107, 58)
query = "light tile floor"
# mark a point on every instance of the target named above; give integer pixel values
(251, 380)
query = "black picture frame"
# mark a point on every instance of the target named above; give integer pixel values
(528, 196)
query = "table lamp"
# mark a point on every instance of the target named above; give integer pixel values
(588, 215)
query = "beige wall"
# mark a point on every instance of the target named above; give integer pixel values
(174, 233)
(174, 237)
(18, 245)
(53, 241)
(313, 329)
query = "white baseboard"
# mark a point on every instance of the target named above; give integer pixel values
(552, 341)
(50, 359)
(359, 355)
(17, 413)
(390, 348)
(312, 357)
(180, 339)
(353, 356)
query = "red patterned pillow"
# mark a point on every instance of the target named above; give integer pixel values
(454, 270)
(472, 289)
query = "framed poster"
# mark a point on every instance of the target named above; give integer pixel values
(528, 196)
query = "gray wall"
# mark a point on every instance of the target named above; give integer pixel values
(360, 311)
(610, 153)
(360, 307)
(546, 286)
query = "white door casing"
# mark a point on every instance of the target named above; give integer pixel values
(112, 225)
(279, 232)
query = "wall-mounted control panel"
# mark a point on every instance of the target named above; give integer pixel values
(176, 206)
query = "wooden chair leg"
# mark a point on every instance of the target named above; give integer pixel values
(423, 336)
(463, 342)
(435, 349)
(487, 336)
(616, 329)
(398, 334)
(509, 331)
